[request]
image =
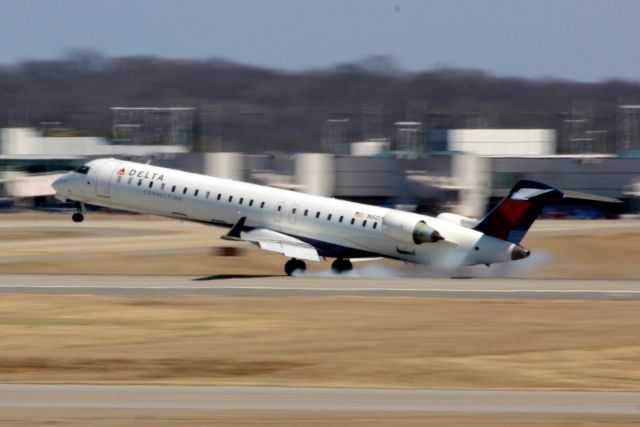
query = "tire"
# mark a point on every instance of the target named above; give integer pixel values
(294, 265)
(339, 266)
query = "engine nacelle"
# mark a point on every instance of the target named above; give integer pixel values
(408, 228)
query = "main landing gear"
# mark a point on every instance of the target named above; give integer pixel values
(341, 265)
(293, 265)
(78, 216)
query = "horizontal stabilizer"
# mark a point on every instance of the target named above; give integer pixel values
(589, 197)
(278, 242)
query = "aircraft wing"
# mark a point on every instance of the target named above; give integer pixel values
(277, 242)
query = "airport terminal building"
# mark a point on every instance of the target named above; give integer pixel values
(462, 170)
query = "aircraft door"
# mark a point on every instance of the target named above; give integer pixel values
(104, 177)
(277, 213)
(293, 213)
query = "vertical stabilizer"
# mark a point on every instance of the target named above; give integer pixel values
(511, 218)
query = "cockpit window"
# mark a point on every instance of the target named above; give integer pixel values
(83, 170)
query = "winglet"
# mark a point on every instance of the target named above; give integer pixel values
(234, 233)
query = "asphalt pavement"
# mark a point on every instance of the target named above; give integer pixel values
(319, 286)
(314, 399)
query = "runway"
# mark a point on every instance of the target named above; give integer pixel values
(59, 396)
(319, 286)
(335, 342)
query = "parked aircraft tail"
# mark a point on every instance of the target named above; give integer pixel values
(511, 218)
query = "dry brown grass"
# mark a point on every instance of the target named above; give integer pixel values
(135, 244)
(321, 341)
(611, 255)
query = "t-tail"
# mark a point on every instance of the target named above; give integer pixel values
(512, 217)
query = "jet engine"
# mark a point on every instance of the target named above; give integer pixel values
(408, 228)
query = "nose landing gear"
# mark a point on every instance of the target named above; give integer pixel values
(293, 265)
(78, 216)
(341, 265)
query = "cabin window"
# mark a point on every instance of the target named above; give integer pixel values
(375, 225)
(184, 190)
(329, 217)
(150, 184)
(353, 221)
(129, 180)
(306, 212)
(139, 182)
(293, 211)
(341, 218)
(364, 223)
(195, 193)
(279, 208)
(241, 200)
(251, 202)
(207, 195)
(261, 205)
(162, 186)
(318, 214)
(230, 199)
(219, 195)
(119, 178)
(173, 189)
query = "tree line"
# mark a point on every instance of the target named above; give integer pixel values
(253, 109)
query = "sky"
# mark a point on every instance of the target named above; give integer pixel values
(583, 40)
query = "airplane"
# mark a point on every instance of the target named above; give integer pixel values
(305, 227)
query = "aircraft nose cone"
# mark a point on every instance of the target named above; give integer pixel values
(518, 252)
(58, 183)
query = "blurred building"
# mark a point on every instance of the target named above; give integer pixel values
(409, 137)
(27, 142)
(606, 175)
(502, 142)
(458, 170)
(629, 124)
(172, 126)
(29, 161)
(369, 148)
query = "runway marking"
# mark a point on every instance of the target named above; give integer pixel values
(316, 399)
(332, 289)
(280, 285)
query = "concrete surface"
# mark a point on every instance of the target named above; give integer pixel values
(333, 285)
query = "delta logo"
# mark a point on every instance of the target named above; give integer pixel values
(359, 215)
(120, 171)
(145, 174)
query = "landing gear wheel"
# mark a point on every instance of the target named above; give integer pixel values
(77, 217)
(341, 265)
(293, 265)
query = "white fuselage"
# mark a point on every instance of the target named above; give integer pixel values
(172, 193)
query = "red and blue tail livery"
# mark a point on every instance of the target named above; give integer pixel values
(512, 217)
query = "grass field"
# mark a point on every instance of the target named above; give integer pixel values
(321, 341)
(136, 244)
